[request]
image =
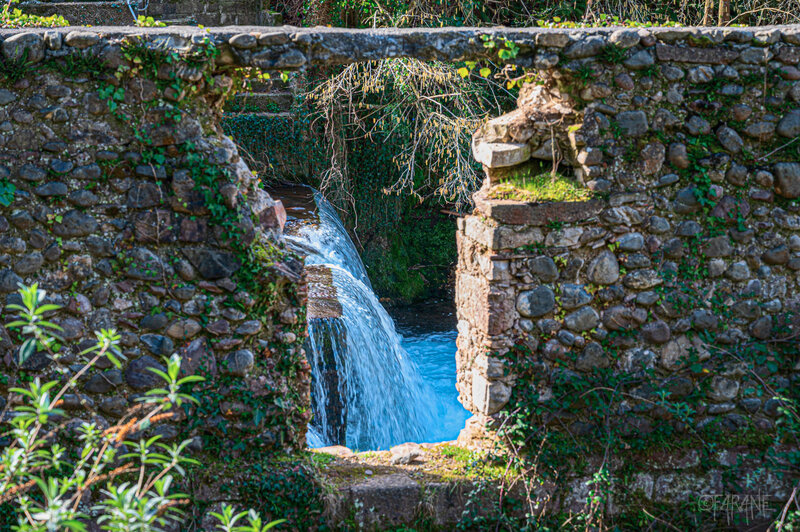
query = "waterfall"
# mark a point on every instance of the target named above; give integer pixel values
(366, 391)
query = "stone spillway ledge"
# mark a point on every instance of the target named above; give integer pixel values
(322, 302)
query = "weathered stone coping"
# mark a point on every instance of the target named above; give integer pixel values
(505, 225)
(523, 213)
(386, 489)
(288, 47)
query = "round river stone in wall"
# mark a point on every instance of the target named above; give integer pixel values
(544, 268)
(582, 320)
(604, 269)
(139, 377)
(574, 295)
(789, 126)
(788, 180)
(536, 302)
(239, 362)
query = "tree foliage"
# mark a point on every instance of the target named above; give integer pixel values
(425, 109)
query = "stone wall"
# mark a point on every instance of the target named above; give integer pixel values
(679, 276)
(123, 181)
(540, 49)
(134, 212)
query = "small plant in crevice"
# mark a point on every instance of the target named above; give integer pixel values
(650, 71)
(148, 22)
(7, 191)
(585, 73)
(612, 54)
(76, 64)
(13, 70)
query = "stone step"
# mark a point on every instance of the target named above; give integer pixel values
(227, 13)
(274, 102)
(283, 115)
(83, 13)
(177, 21)
(104, 13)
(274, 84)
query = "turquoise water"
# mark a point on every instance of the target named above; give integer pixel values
(434, 354)
(428, 332)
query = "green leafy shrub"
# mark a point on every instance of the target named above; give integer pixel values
(49, 475)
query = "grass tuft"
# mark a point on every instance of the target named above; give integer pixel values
(542, 188)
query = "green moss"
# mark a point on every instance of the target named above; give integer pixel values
(477, 464)
(460, 454)
(542, 188)
(321, 459)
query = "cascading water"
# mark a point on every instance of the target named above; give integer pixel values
(364, 382)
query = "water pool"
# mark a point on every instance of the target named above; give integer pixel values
(429, 337)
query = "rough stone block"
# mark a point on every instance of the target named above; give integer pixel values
(539, 214)
(501, 155)
(27, 45)
(501, 237)
(488, 396)
(397, 497)
(685, 54)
